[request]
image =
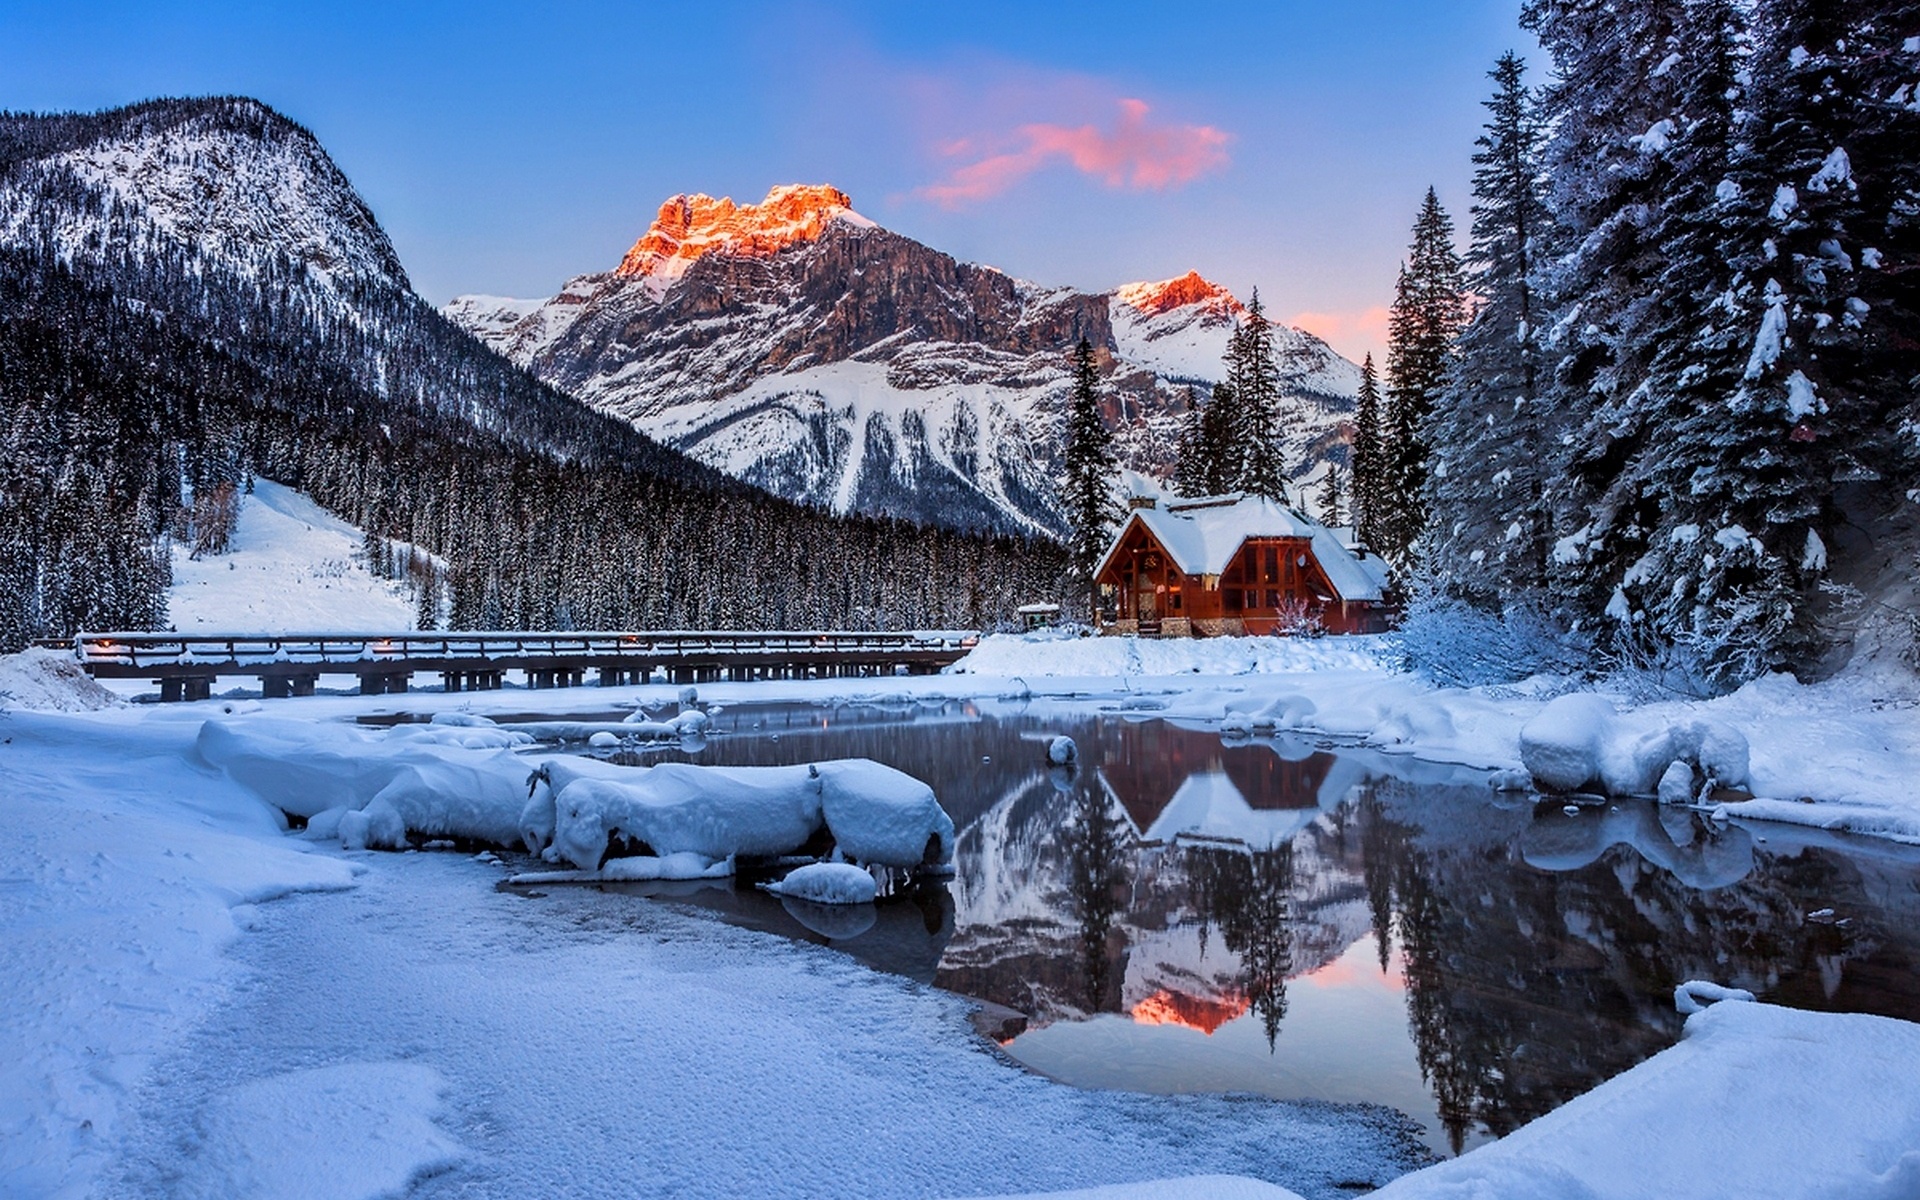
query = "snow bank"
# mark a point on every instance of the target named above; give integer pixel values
(1580, 740)
(50, 681)
(826, 883)
(1193, 1187)
(334, 776)
(348, 1131)
(1045, 653)
(1754, 1101)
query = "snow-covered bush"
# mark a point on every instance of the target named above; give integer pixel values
(1464, 645)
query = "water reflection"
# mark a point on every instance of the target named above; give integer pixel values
(1179, 913)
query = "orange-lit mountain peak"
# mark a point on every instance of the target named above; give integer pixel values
(1152, 299)
(1192, 1012)
(689, 227)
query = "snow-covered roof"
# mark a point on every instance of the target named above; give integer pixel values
(1204, 533)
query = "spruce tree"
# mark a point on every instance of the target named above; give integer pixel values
(1429, 309)
(1090, 470)
(1369, 457)
(1486, 433)
(1256, 387)
(1611, 109)
(1328, 501)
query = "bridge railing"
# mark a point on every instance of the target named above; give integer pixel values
(138, 651)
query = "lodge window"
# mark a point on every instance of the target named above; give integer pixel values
(1273, 565)
(1233, 599)
(1176, 599)
(1273, 598)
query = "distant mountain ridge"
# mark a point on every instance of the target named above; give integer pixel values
(800, 346)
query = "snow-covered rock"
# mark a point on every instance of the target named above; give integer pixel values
(1580, 740)
(826, 883)
(1061, 751)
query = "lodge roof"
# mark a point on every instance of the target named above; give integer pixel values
(1203, 534)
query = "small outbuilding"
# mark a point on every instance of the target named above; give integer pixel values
(1237, 564)
(1039, 616)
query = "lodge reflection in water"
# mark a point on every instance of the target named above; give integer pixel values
(1174, 879)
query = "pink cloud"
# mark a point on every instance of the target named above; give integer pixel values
(1354, 334)
(1136, 153)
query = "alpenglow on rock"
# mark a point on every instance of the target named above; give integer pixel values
(797, 345)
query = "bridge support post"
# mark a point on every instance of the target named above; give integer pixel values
(171, 691)
(302, 685)
(275, 687)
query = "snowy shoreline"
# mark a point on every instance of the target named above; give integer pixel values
(138, 907)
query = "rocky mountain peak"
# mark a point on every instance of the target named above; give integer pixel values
(1152, 299)
(692, 226)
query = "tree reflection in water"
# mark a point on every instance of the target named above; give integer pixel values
(1247, 896)
(1538, 951)
(1100, 872)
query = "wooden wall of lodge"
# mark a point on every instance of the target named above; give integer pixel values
(1264, 575)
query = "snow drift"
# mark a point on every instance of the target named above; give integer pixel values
(372, 789)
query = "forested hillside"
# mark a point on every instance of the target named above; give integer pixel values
(191, 294)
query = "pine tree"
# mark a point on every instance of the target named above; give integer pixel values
(1091, 468)
(1328, 501)
(1198, 465)
(1611, 107)
(1486, 433)
(1369, 458)
(1429, 310)
(1256, 387)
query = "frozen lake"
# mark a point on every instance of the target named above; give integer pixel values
(1183, 914)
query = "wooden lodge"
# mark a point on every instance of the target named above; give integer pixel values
(1235, 564)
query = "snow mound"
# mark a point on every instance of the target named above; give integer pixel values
(826, 883)
(876, 814)
(1061, 751)
(349, 1131)
(52, 681)
(325, 773)
(1799, 1077)
(1580, 740)
(1696, 994)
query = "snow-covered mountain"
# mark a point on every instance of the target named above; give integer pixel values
(798, 345)
(248, 189)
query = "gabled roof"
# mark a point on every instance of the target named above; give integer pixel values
(1203, 534)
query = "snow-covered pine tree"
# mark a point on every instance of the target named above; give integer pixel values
(1256, 387)
(1090, 469)
(1486, 435)
(1807, 428)
(1610, 110)
(1369, 457)
(1429, 310)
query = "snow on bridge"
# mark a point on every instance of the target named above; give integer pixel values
(290, 664)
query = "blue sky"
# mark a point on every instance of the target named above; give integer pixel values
(506, 147)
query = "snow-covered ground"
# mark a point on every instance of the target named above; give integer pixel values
(293, 567)
(172, 1031)
(429, 1030)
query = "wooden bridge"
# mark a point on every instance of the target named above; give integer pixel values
(185, 666)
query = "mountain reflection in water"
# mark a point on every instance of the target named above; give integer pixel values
(1463, 957)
